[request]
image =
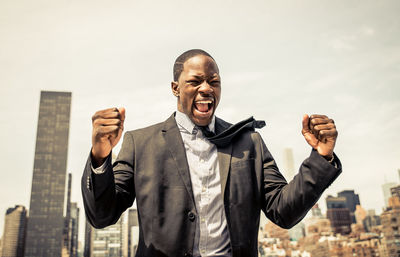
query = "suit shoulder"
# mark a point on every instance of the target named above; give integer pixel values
(146, 130)
(153, 129)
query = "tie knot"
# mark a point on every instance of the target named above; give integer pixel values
(206, 131)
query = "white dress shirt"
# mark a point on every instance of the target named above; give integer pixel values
(212, 236)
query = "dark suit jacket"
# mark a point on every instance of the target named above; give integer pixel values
(152, 168)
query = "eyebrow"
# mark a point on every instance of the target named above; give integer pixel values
(202, 76)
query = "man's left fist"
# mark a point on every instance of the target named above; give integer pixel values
(320, 133)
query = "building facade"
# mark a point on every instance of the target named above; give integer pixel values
(352, 200)
(133, 229)
(46, 221)
(14, 232)
(338, 214)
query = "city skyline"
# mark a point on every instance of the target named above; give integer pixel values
(333, 58)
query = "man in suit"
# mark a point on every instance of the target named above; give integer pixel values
(200, 194)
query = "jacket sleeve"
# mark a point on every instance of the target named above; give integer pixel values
(287, 203)
(107, 195)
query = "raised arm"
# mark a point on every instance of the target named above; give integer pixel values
(108, 191)
(286, 204)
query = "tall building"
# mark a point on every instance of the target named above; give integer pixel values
(67, 218)
(108, 242)
(338, 214)
(46, 221)
(14, 232)
(352, 200)
(395, 191)
(371, 220)
(288, 163)
(390, 219)
(133, 228)
(360, 214)
(88, 247)
(71, 220)
(398, 173)
(386, 191)
(316, 211)
(74, 226)
(297, 232)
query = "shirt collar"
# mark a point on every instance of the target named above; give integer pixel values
(184, 121)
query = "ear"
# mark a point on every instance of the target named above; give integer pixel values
(175, 88)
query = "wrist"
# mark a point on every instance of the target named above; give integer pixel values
(96, 160)
(329, 158)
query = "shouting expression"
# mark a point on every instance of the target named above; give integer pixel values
(198, 89)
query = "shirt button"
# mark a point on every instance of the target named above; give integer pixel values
(191, 216)
(204, 189)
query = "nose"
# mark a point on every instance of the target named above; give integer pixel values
(205, 88)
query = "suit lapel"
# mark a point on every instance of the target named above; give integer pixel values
(224, 156)
(177, 149)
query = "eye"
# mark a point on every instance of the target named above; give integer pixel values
(215, 83)
(193, 82)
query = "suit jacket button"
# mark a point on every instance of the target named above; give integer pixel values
(187, 255)
(192, 217)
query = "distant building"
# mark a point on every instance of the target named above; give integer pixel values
(386, 191)
(274, 231)
(317, 226)
(71, 222)
(398, 173)
(297, 232)
(352, 200)
(288, 164)
(371, 220)
(46, 221)
(360, 214)
(134, 240)
(338, 214)
(395, 191)
(133, 231)
(316, 211)
(390, 219)
(74, 227)
(88, 246)
(108, 242)
(13, 242)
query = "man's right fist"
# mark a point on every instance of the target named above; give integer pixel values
(108, 125)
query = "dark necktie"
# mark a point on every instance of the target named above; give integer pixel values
(225, 137)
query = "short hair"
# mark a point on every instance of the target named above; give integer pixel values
(178, 65)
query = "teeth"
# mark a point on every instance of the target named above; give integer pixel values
(204, 102)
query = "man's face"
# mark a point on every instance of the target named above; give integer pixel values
(198, 89)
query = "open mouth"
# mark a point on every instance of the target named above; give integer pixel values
(204, 106)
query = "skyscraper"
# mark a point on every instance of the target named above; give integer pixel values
(70, 233)
(74, 225)
(338, 214)
(46, 221)
(108, 242)
(88, 247)
(352, 200)
(132, 222)
(288, 164)
(386, 191)
(14, 232)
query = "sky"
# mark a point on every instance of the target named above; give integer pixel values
(277, 61)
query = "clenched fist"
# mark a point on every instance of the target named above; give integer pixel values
(108, 125)
(320, 133)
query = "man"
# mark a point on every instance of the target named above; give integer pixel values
(198, 194)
